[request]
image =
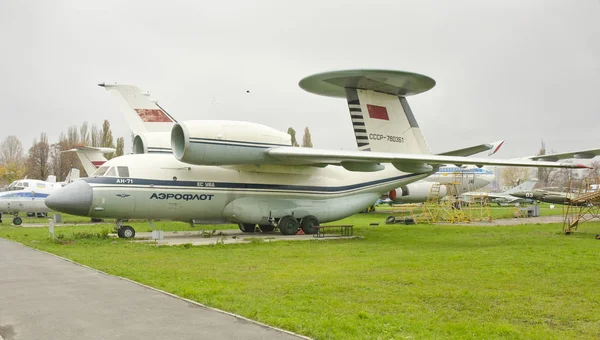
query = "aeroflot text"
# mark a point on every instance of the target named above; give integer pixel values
(185, 197)
(395, 139)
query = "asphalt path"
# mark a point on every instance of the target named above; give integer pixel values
(46, 297)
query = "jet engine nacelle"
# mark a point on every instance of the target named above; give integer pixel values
(217, 142)
(415, 192)
(152, 142)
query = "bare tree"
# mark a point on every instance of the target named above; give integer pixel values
(513, 176)
(292, 133)
(95, 136)
(12, 159)
(11, 150)
(306, 142)
(39, 156)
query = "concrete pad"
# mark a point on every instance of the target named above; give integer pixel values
(46, 297)
(229, 236)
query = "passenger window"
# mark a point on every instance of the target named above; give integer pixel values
(111, 173)
(101, 171)
(123, 171)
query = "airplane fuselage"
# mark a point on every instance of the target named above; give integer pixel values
(213, 194)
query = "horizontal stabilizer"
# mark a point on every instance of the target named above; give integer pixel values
(91, 157)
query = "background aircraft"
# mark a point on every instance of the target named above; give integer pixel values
(250, 174)
(555, 197)
(506, 197)
(28, 195)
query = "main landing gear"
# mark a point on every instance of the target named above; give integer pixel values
(124, 231)
(288, 225)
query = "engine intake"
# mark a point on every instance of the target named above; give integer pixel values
(152, 142)
(217, 142)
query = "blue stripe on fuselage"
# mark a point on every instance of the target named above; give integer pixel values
(22, 194)
(139, 182)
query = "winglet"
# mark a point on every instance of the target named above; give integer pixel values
(494, 147)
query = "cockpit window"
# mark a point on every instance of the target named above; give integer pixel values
(25, 184)
(101, 171)
(111, 173)
(123, 171)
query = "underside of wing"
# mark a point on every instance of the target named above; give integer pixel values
(403, 162)
(583, 154)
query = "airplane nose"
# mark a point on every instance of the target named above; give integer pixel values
(74, 198)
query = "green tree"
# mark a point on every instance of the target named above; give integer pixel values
(292, 133)
(306, 142)
(120, 146)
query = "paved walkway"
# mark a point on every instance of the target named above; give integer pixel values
(45, 297)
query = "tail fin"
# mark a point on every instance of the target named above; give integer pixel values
(72, 176)
(142, 114)
(381, 116)
(51, 179)
(91, 157)
(525, 186)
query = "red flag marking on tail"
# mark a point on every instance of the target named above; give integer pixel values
(98, 163)
(378, 112)
(153, 116)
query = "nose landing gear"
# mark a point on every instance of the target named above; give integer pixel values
(124, 231)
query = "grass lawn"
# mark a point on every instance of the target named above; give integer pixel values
(414, 282)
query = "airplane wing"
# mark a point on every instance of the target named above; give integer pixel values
(369, 161)
(493, 147)
(583, 154)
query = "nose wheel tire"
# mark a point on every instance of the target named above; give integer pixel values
(288, 225)
(17, 221)
(307, 224)
(247, 227)
(126, 232)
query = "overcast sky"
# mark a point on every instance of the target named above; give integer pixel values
(522, 71)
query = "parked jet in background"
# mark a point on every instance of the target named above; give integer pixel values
(228, 171)
(455, 180)
(506, 197)
(556, 197)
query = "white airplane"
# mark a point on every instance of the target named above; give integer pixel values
(461, 179)
(247, 173)
(505, 197)
(28, 195)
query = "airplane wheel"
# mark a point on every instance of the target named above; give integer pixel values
(307, 224)
(288, 225)
(127, 231)
(120, 233)
(247, 227)
(17, 221)
(265, 228)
